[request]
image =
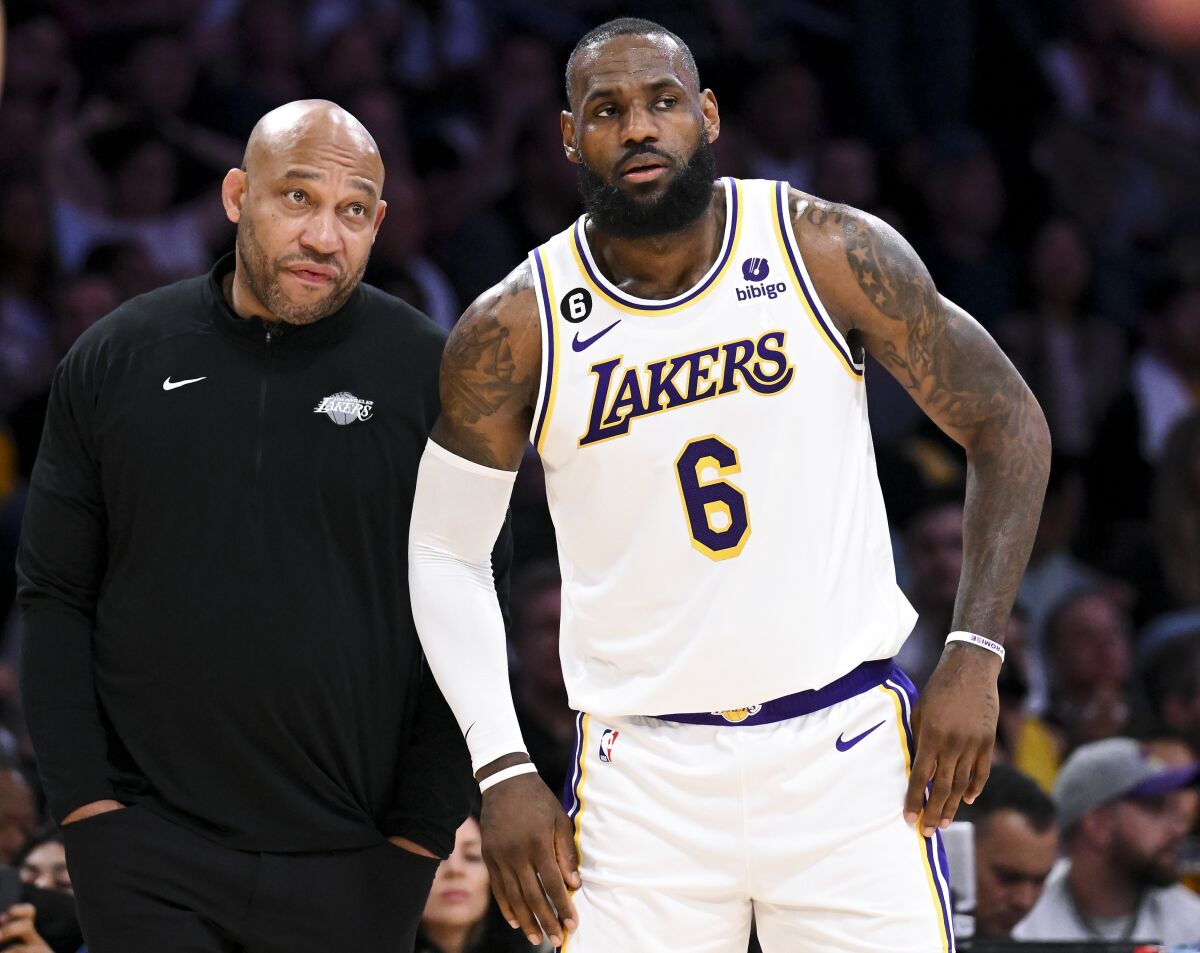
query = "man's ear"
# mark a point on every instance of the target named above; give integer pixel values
(567, 122)
(233, 194)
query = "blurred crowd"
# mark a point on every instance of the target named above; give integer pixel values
(1039, 155)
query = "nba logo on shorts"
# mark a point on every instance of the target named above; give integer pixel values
(755, 269)
(607, 740)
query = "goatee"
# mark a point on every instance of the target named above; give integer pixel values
(622, 215)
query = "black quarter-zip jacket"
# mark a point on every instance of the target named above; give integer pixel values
(213, 575)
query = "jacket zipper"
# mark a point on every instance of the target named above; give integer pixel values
(262, 421)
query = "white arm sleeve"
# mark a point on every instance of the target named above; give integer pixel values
(458, 511)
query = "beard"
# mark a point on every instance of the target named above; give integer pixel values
(262, 277)
(1159, 869)
(625, 216)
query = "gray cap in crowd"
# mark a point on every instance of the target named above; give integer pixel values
(1112, 770)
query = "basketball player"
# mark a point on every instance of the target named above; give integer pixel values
(688, 360)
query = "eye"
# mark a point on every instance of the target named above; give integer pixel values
(604, 112)
(296, 195)
(668, 101)
(357, 209)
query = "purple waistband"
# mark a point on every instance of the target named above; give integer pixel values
(854, 682)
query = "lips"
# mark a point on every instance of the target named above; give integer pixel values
(313, 274)
(642, 167)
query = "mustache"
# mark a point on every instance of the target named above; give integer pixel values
(637, 152)
(325, 260)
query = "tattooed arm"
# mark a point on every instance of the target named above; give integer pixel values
(489, 375)
(882, 298)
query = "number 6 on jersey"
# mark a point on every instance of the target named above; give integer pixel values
(717, 515)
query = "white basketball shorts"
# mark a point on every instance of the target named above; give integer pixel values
(689, 825)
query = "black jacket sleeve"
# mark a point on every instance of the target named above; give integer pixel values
(60, 565)
(437, 789)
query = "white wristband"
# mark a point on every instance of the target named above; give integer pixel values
(994, 647)
(527, 767)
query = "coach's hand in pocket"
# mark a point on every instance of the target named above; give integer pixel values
(955, 731)
(91, 810)
(530, 854)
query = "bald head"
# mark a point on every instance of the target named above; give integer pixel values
(308, 202)
(307, 122)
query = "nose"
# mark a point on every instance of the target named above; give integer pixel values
(45, 881)
(321, 232)
(1025, 896)
(639, 125)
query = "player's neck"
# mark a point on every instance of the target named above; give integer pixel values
(663, 266)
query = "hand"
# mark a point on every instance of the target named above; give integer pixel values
(955, 730)
(18, 932)
(413, 847)
(91, 810)
(526, 836)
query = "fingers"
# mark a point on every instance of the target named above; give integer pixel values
(539, 904)
(957, 771)
(979, 774)
(564, 849)
(949, 782)
(922, 770)
(525, 895)
(500, 892)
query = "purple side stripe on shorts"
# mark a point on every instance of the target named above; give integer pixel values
(935, 853)
(570, 798)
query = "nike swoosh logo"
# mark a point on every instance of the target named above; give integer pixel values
(169, 384)
(585, 343)
(847, 745)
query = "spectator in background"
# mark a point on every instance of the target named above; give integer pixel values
(399, 264)
(1171, 676)
(18, 932)
(785, 116)
(1164, 388)
(847, 171)
(1122, 833)
(966, 254)
(547, 721)
(260, 68)
(915, 57)
(1175, 511)
(460, 915)
(132, 195)
(29, 264)
(1054, 572)
(1023, 737)
(42, 863)
(1016, 845)
(18, 813)
(1088, 653)
(933, 550)
(1074, 363)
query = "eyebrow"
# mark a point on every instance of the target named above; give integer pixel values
(605, 92)
(310, 175)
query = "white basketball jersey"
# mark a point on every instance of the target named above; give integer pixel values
(711, 477)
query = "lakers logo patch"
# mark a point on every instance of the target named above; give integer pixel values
(344, 408)
(735, 715)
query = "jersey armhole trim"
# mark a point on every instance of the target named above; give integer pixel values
(549, 369)
(805, 290)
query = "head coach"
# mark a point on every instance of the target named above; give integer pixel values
(222, 680)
